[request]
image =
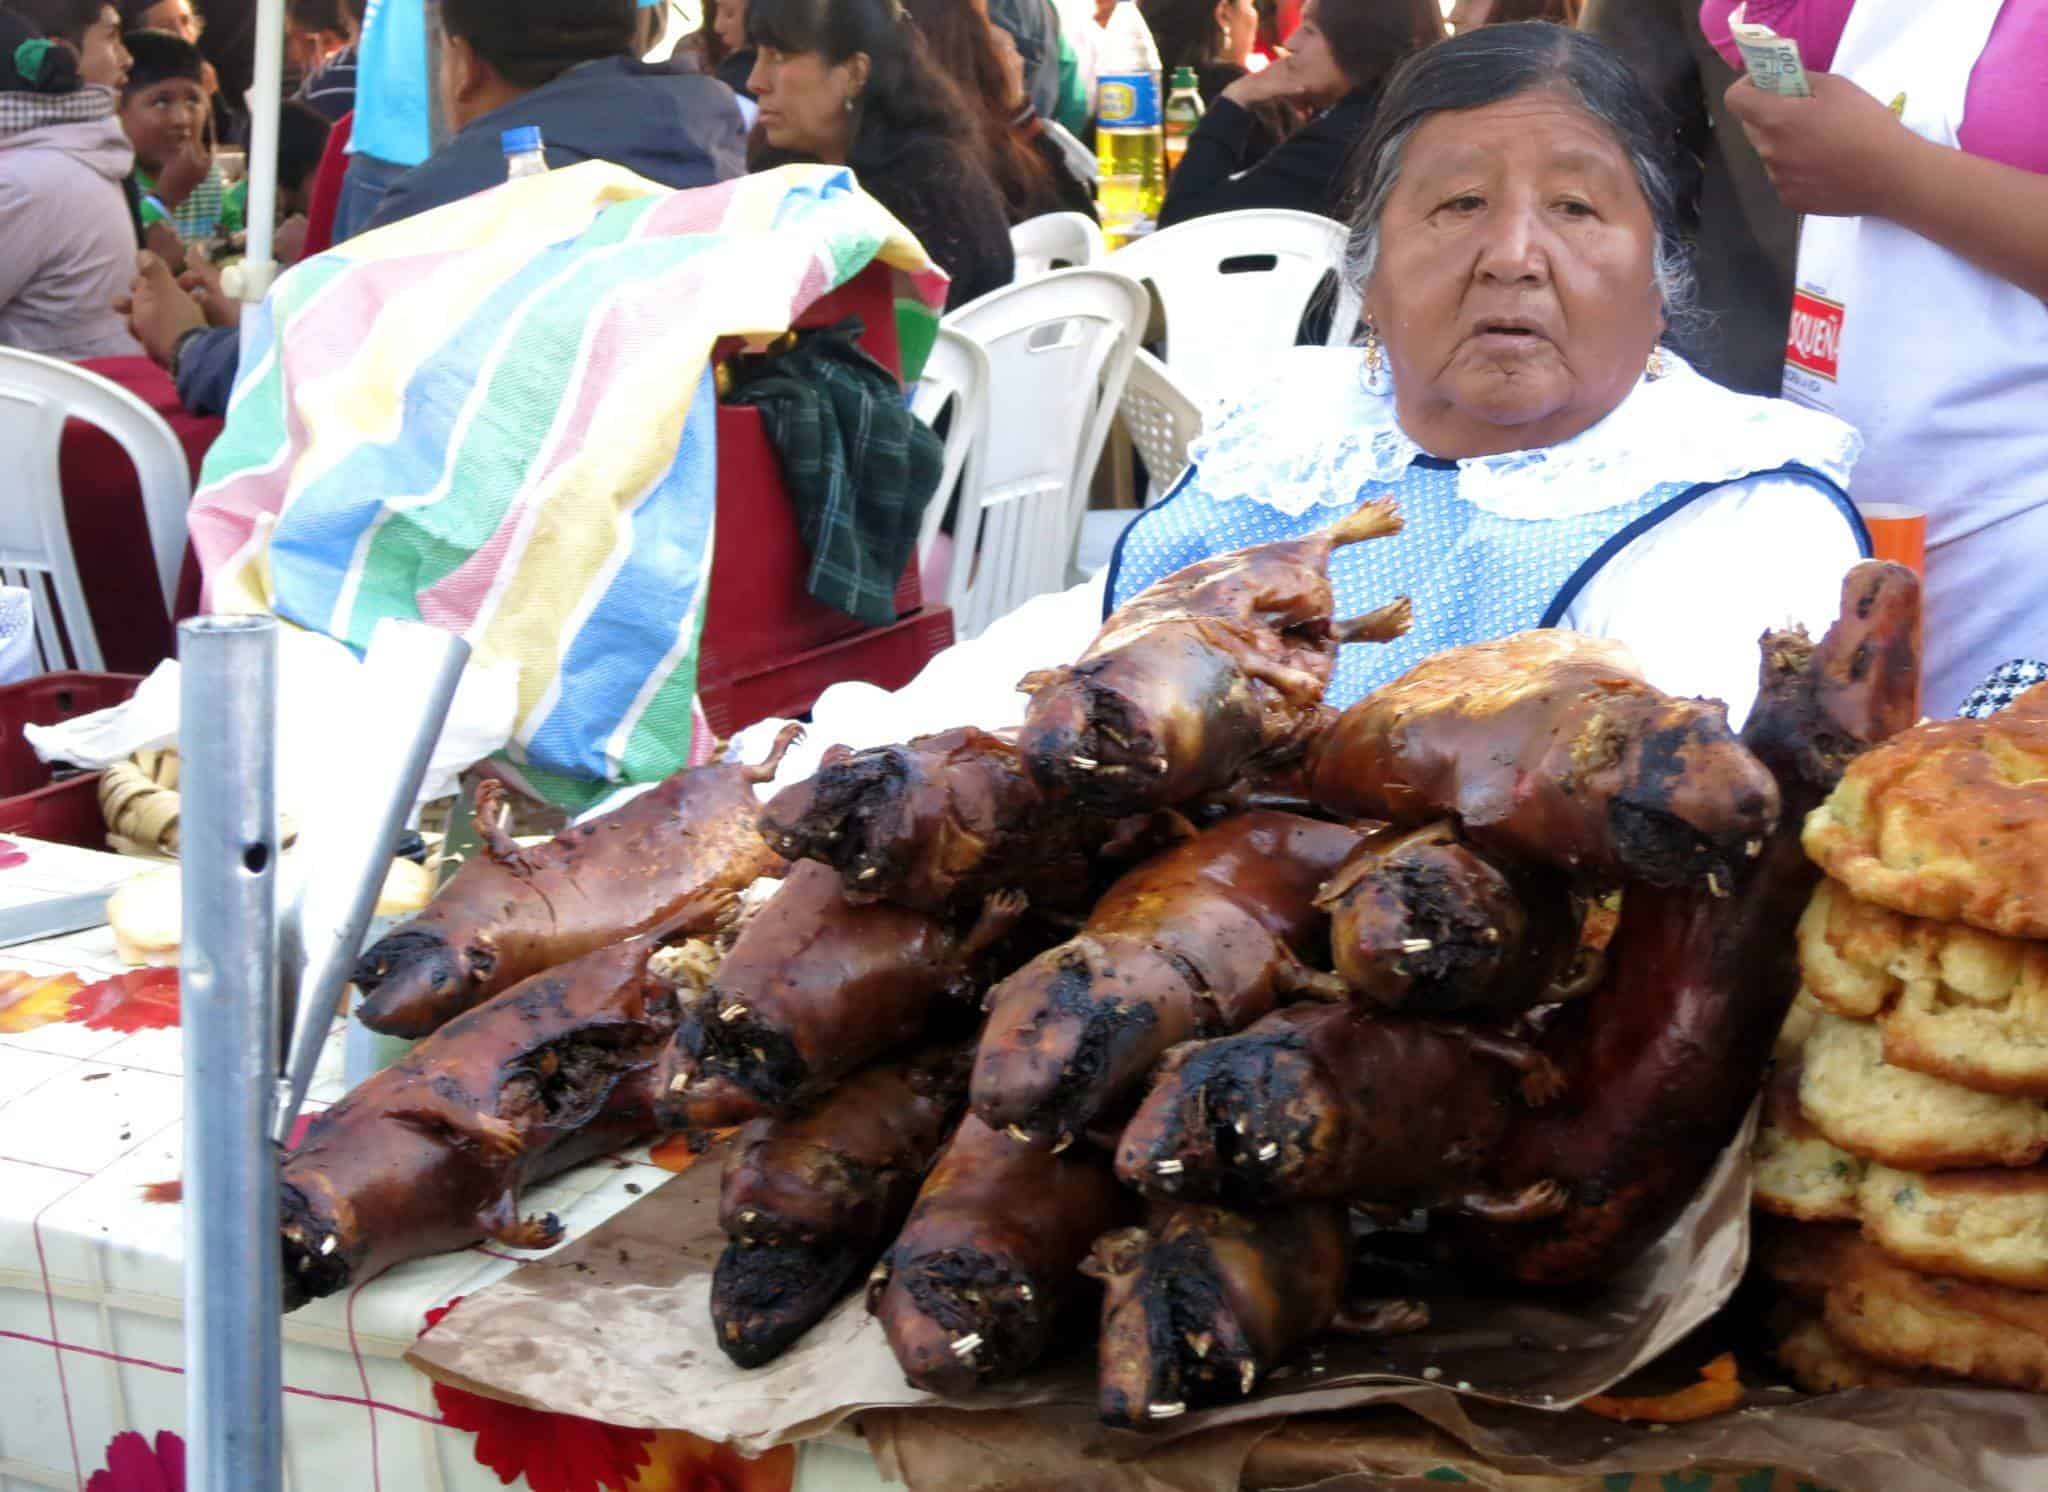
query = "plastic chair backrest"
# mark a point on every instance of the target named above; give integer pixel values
(1059, 352)
(1068, 239)
(1081, 161)
(1234, 287)
(956, 375)
(37, 395)
(1161, 419)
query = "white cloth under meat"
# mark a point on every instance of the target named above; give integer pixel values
(1690, 597)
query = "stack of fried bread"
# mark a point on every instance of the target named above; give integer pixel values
(1907, 1121)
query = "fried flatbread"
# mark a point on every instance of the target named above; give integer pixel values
(1983, 1225)
(1953, 1001)
(1799, 1174)
(1987, 1333)
(1906, 1119)
(1948, 820)
(1820, 1364)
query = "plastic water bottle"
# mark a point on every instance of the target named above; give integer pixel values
(1183, 112)
(1128, 143)
(525, 155)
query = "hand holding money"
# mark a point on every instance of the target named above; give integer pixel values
(1772, 61)
(1833, 153)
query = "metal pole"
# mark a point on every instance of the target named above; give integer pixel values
(344, 851)
(234, 1384)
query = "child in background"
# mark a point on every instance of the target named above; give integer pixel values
(165, 111)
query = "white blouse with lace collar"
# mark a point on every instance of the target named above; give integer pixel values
(1318, 429)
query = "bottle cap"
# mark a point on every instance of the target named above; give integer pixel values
(520, 140)
(1184, 77)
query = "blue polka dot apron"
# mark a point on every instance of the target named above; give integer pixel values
(1473, 574)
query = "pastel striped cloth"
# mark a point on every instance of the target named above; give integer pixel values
(498, 418)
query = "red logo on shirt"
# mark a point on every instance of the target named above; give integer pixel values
(1815, 343)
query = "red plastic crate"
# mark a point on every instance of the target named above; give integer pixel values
(887, 657)
(768, 644)
(66, 810)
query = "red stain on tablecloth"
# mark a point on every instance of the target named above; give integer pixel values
(139, 1000)
(165, 1193)
(11, 854)
(134, 1465)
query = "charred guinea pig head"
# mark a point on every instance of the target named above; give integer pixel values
(1695, 805)
(414, 981)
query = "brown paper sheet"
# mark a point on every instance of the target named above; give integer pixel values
(616, 1327)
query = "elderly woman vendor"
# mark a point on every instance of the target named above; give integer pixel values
(1517, 249)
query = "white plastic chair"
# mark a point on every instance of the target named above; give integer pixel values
(1071, 239)
(1059, 351)
(1161, 421)
(37, 395)
(1234, 288)
(955, 376)
(1080, 159)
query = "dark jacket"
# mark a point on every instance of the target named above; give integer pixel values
(735, 70)
(1306, 171)
(952, 207)
(680, 129)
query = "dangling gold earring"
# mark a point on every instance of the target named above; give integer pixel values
(1656, 367)
(1375, 351)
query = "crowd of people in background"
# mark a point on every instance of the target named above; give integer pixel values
(123, 127)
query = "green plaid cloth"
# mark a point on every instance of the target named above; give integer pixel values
(859, 467)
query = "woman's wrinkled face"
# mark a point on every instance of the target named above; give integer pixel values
(1237, 24)
(1515, 287)
(103, 59)
(729, 20)
(806, 100)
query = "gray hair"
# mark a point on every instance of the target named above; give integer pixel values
(1499, 62)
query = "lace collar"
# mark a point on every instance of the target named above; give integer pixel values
(1317, 430)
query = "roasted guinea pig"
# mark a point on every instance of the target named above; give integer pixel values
(938, 823)
(816, 987)
(1202, 1302)
(1202, 939)
(1548, 747)
(431, 1154)
(987, 1270)
(811, 1201)
(1216, 669)
(1664, 1059)
(1423, 923)
(1330, 1102)
(511, 912)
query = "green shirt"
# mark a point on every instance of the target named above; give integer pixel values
(214, 207)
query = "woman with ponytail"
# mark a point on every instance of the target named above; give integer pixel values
(67, 241)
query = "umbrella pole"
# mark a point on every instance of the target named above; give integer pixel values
(234, 1380)
(266, 99)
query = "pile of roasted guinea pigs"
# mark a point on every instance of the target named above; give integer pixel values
(1142, 1013)
(1908, 1113)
